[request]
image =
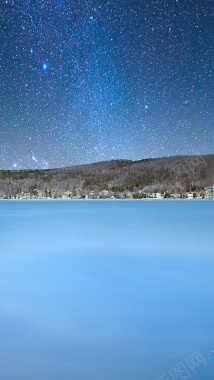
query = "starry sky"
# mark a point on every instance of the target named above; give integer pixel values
(86, 80)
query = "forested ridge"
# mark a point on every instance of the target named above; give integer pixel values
(155, 174)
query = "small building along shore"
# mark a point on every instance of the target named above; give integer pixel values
(79, 193)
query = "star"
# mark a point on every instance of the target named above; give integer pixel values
(34, 158)
(44, 66)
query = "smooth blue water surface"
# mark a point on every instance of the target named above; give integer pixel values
(106, 290)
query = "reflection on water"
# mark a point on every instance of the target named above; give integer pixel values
(106, 289)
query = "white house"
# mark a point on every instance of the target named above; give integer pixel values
(190, 196)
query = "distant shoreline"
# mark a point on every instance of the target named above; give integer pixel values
(106, 200)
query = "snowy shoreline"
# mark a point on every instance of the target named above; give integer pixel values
(105, 200)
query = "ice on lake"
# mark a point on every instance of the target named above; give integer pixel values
(106, 290)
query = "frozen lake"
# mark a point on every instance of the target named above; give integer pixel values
(106, 290)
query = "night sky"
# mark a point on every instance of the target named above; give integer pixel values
(86, 81)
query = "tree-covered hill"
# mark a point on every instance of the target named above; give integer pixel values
(157, 174)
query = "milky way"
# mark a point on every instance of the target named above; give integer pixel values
(85, 81)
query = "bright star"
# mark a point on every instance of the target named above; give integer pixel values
(44, 66)
(15, 165)
(34, 158)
